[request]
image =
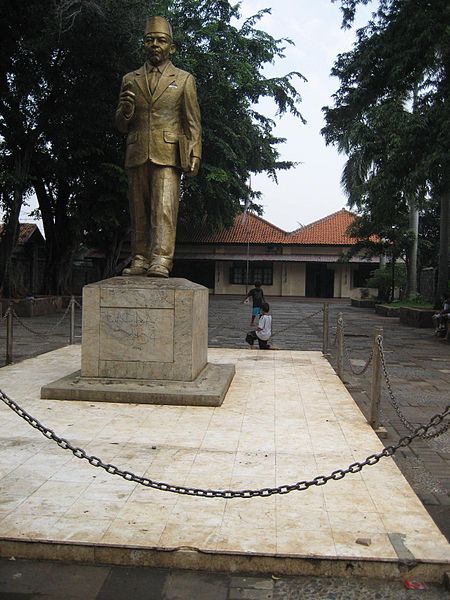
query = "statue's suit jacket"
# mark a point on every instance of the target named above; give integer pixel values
(165, 127)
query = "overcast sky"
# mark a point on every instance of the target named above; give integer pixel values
(311, 190)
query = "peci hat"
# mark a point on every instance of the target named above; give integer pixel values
(158, 25)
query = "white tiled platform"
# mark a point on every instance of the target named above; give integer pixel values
(286, 418)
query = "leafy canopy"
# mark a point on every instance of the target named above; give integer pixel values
(61, 63)
(391, 111)
(227, 58)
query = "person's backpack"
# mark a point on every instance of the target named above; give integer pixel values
(249, 338)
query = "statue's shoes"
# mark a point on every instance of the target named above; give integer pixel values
(139, 266)
(134, 271)
(157, 271)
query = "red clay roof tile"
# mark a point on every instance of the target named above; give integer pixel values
(26, 230)
(329, 231)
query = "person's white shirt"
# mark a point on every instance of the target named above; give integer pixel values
(264, 330)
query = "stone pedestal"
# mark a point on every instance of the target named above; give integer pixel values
(145, 340)
(144, 328)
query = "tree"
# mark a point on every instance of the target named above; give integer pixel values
(61, 67)
(379, 179)
(20, 123)
(78, 174)
(401, 53)
(385, 279)
(44, 116)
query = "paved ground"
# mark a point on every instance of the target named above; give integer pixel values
(418, 365)
(419, 370)
(27, 580)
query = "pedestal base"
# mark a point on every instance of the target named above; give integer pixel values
(145, 341)
(208, 389)
(144, 328)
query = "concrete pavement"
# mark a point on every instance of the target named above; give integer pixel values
(418, 365)
(419, 369)
(33, 580)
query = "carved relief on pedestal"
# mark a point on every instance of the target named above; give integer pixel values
(140, 334)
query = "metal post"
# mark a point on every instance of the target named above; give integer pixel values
(325, 329)
(376, 380)
(247, 267)
(72, 320)
(9, 335)
(340, 346)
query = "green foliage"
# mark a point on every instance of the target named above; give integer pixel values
(417, 302)
(61, 64)
(383, 278)
(429, 234)
(391, 115)
(348, 8)
(227, 60)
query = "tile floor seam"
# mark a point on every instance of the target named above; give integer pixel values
(326, 512)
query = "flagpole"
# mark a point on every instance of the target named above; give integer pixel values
(244, 214)
(246, 277)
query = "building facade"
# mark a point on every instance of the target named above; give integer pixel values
(27, 261)
(310, 261)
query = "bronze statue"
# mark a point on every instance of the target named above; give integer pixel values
(159, 112)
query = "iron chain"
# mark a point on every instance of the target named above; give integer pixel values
(395, 404)
(349, 362)
(320, 480)
(50, 331)
(298, 322)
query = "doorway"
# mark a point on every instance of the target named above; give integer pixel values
(319, 281)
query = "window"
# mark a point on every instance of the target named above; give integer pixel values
(262, 271)
(237, 273)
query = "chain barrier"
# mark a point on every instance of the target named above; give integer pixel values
(50, 331)
(395, 404)
(336, 475)
(295, 323)
(349, 361)
(379, 343)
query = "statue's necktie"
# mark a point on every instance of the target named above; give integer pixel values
(154, 78)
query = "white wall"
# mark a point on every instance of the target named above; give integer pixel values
(293, 279)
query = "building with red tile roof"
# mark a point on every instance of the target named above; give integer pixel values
(309, 261)
(27, 260)
(26, 231)
(249, 228)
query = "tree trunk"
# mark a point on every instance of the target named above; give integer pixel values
(444, 244)
(8, 242)
(45, 202)
(411, 288)
(11, 229)
(58, 237)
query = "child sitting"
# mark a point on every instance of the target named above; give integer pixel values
(263, 330)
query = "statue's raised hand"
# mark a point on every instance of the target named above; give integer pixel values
(127, 100)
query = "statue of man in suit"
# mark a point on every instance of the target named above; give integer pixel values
(159, 112)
